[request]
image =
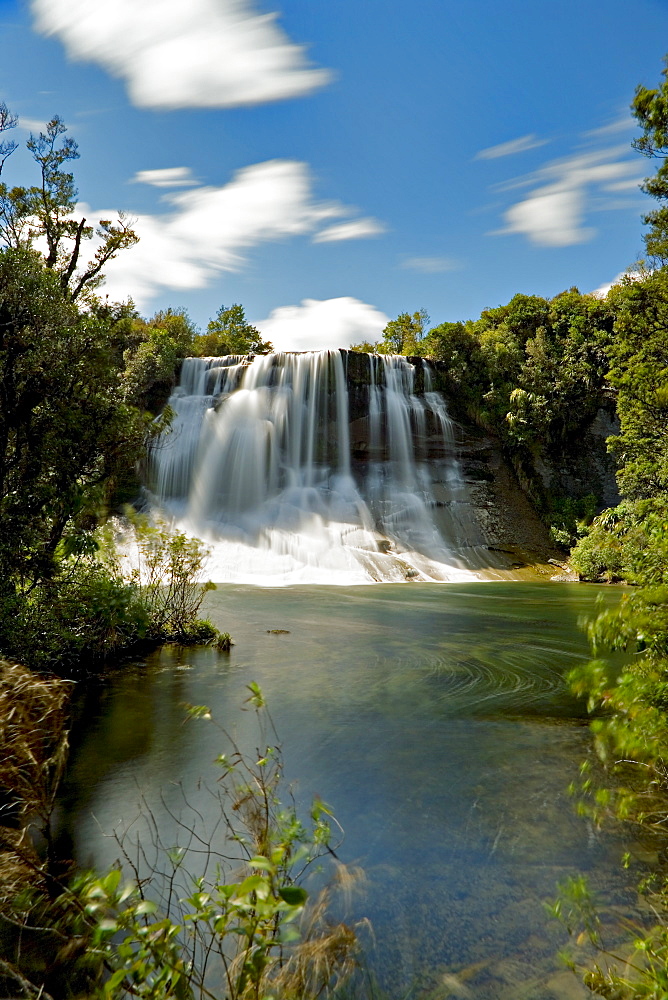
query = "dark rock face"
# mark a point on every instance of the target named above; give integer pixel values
(498, 492)
(589, 467)
(507, 521)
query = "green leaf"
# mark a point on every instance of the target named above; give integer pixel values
(294, 895)
(254, 883)
(262, 863)
(198, 711)
(146, 906)
(257, 698)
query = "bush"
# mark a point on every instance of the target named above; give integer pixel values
(108, 600)
(628, 542)
(569, 517)
(166, 570)
(81, 617)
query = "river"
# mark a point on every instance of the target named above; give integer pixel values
(436, 722)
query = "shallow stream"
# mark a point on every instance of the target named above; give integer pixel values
(433, 718)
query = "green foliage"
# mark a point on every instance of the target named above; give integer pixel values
(365, 347)
(155, 348)
(165, 568)
(230, 333)
(246, 928)
(66, 432)
(640, 975)
(456, 345)
(83, 615)
(639, 371)
(650, 108)
(628, 542)
(569, 518)
(405, 334)
(631, 732)
(105, 601)
(532, 372)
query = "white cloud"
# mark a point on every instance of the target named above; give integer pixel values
(628, 275)
(550, 217)
(358, 229)
(603, 289)
(316, 325)
(166, 177)
(176, 54)
(207, 230)
(35, 125)
(553, 213)
(630, 185)
(625, 123)
(432, 265)
(521, 145)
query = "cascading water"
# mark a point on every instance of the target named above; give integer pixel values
(295, 472)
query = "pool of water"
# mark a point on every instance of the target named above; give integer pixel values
(436, 722)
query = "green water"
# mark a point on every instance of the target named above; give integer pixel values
(435, 720)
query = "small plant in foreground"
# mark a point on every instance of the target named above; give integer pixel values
(243, 927)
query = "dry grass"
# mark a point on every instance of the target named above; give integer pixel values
(328, 953)
(33, 753)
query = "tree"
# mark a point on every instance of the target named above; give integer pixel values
(639, 372)
(404, 334)
(66, 432)
(154, 349)
(365, 347)
(230, 333)
(7, 122)
(650, 108)
(45, 212)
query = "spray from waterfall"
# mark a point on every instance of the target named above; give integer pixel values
(294, 471)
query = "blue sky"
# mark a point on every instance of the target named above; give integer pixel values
(331, 164)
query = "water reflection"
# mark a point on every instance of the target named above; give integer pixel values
(434, 719)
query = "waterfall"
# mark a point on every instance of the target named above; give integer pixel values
(295, 470)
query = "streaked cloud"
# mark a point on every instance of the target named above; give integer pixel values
(511, 148)
(553, 213)
(629, 185)
(625, 123)
(167, 177)
(358, 229)
(35, 125)
(318, 324)
(432, 265)
(171, 54)
(205, 230)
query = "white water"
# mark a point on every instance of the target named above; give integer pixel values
(263, 462)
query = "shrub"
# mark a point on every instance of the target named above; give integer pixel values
(628, 542)
(107, 600)
(166, 569)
